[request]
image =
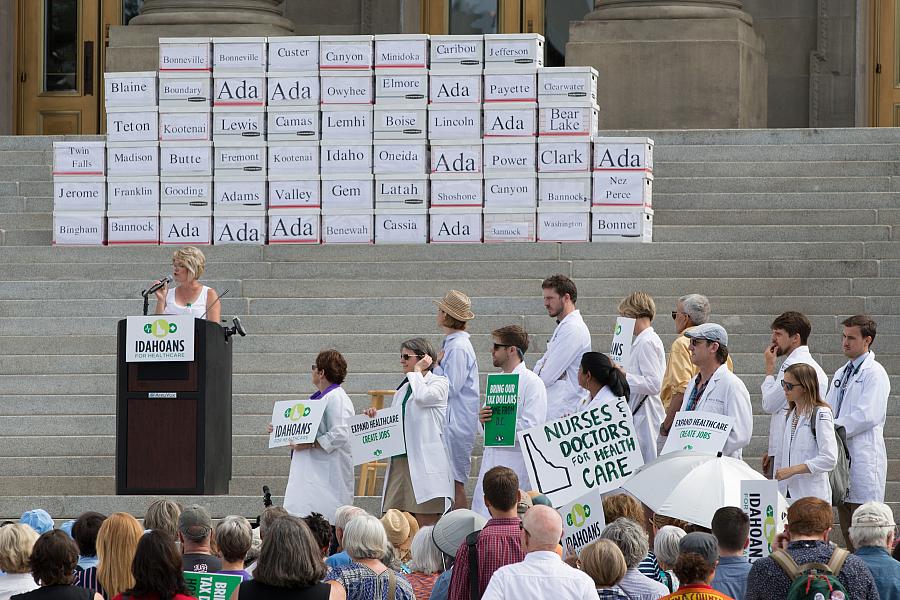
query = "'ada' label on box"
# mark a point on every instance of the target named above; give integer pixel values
(79, 195)
(294, 228)
(185, 229)
(79, 158)
(294, 193)
(400, 158)
(184, 54)
(455, 226)
(239, 229)
(301, 89)
(341, 158)
(517, 156)
(399, 123)
(347, 124)
(179, 158)
(568, 120)
(133, 160)
(79, 228)
(132, 229)
(184, 126)
(502, 121)
(457, 192)
(239, 123)
(286, 124)
(348, 193)
(456, 158)
(348, 88)
(564, 156)
(294, 53)
(239, 91)
(350, 228)
(298, 159)
(623, 154)
(445, 123)
(510, 87)
(455, 88)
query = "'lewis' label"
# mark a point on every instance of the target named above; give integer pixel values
(184, 126)
(239, 124)
(133, 160)
(250, 230)
(456, 158)
(239, 193)
(568, 121)
(501, 121)
(344, 124)
(342, 158)
(564, 156)
(250, 159)
(185, 229)
(239, 91)
(293, 90)
(299, 123)
(445, 88)
(185, 160)
(510, 87)
(297, 159)
(518, 156)
(294, 228)
(348, 194)
(400, 158)
(296, 193)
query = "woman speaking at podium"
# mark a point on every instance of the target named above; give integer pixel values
(189, 297)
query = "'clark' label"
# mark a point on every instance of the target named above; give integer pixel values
(564, 156)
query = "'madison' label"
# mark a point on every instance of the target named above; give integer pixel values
(133, 160)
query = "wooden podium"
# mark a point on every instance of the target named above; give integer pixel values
(173, 419)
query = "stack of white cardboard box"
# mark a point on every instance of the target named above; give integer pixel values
(353, 139)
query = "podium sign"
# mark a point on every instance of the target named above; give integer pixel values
(160, 338)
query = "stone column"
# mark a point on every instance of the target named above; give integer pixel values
(673, 64)
(221, 12)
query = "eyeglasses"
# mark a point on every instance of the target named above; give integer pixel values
(522, 528)
(405, 357)
(315, 368)
(697, 341)
(498, 346)
(789, 386)
(674, 314)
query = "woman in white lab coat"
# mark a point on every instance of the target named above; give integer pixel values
(419, 482)
(806, 459)
(602, 379)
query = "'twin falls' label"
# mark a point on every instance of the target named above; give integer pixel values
(79, 158)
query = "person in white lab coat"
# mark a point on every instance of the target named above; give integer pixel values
(645, 369)
(558, 367)
(805, 460)
(419, 482)
(790, 331)
(603, 380)
(508, 353)
(715, 389)
(858, 395)
(321, 475)
(457, 363)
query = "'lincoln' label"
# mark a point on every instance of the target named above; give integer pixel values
(446, 123)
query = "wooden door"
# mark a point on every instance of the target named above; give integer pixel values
(473, 17)
(886, 84)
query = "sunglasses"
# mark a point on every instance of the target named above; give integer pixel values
(674, 314)
(405, 357)
(498, 346)
(698, 341)
(789, 386)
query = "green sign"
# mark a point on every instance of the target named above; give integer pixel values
(502, 397)
(211, 586)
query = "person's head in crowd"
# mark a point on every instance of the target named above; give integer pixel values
(857, 336)
(620, 506)
(117, 541)
(790, 330)
(233, 538)
(697, 559)
(873, 525)
(157, 567)
(690, 310)
(541, 529)
(38, 519)
(560, 295)
(330, 368)
(604, 562)
(660, 521)
(16, 542)
(454, 311)
(510, 346)
(321, 530)
(709, 345)
(342, 516)
(364, 537)
(195, 530)
(638, 305)
(400, 528)
(54, 558)
(801, 388)
(731, 527)
(163, 514)
(501, 492)
(452, 529)
(66, 527)
(268, 516)
(665, 546)
(599, 371)
(85, 530)
(631, 539)
(289, 557)
(413, 350)
(189, 264)
(809, 519)
(426, 556)
(539, 499)
(524, 503)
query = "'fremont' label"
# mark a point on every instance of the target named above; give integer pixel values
(240, 158)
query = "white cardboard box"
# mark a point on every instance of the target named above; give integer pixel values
(185, 159)
(401, 226)
(193, 195)
(79, 228)
(564, 189)
(185, 123)
(294, 53)
(457, 51)
(127, 228)
(79, 158)
(294, 158)
(297, 88)
(247, 90)
(288, 226)
(448, 191)
(347, 122)
(564, 155)
(455, 225)
(185, 54)
(130, 89)
(294, 192)
(345, 52)
(132, 124)
(401, 191)
(185, 229)
(245, 159)
(623, 153)
(297, 123)
(622, 188)
(247, 228)
(133, 194)
(399, 123)
(401, 51)
(622, 225)
(240, 193)
(455, 86)
(509, 225)
(454, 122)
(510, 192)
(348, 192)
(563, 226)
(348, 227)
(79, 194)
(460, 157)
(239, 54)
(506, 155)
(185, 89)
(343, 157)
(347, 87)
(239, 122)
(519, 50)
(558, 84)
(407, 87)
(514, 119)
(569, 120)
(132, 158)
(399, 157)
(510, 85)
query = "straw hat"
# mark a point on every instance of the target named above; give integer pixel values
(457, 305)
(396, 527)
(413, 530)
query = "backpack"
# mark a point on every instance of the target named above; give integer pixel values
(472, 543)
(814, 580)
(839, 477)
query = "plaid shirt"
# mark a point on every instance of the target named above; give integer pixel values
(499, 544)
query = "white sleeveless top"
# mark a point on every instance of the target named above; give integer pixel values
(197, 308)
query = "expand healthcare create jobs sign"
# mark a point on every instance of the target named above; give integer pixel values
(620, 350)
(295, 422)
(698, 431)
(592, 451)
(159, 338)
(502, 397)
(583, 522)
(767, 511)
(378, 437)
(211, 586)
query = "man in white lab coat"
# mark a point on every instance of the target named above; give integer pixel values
(715, 389)
(790, 332)
(558, 367)
(858, 394)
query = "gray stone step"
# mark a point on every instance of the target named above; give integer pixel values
(727, 153)
(768, 217)
(676, 185)
(663, 169)
(14, 221)
(776, 137)
(25, 157)
(42, 142)
(27, 237)
(856, 200)
(713, 231)
(26, 173)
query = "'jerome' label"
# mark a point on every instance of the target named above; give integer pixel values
(79, 195)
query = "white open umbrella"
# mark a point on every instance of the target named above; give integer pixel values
(690, 485)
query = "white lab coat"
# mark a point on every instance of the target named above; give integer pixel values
(321, 479)
(558, 367)
(644, 372)
(774, 401)
(726, 394)
(532, 412)
(819, 453)
(604, 396)
(426, 450)
(862, 414)
(461, 369)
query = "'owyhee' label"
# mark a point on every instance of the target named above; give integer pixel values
(347, 88)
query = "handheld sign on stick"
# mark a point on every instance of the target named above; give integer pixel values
(502, 397)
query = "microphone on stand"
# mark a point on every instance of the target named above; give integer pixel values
(203, 316)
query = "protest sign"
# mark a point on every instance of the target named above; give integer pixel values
(699, 432)
(767, 511)
(620, 350)
(211, 586)
(583, 521)
(502, 397)
(295, 422)
(592, 451)
(378, 437)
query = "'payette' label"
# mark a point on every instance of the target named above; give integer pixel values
(293, 90)
(510, 87)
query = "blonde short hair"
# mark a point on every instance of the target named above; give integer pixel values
(603, 561)
(16, 542)
(193, 260)
(637, 305)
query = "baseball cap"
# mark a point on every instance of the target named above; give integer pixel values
(704, 544)
(453, 528)
(194, 523)
(38, 519)
(873, 514)
(712, 332)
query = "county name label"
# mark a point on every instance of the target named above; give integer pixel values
(295, 422)
(620, 350)
(159, 338)
(699, 432)
(378, 437)
(502, 397)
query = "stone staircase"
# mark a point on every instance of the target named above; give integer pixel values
(760, 221)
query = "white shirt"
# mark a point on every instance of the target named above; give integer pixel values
(197, 308)
(774, 401)
(726, 394)
(540, 576)
(644, 373)
(559, 365)
(640, 587)
(819, 453)
(16, 583)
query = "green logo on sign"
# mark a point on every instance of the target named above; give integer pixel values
(769, 529)
(578, 516)
(296, 412)
(160, 328)
(377, 452)
(618, 328)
